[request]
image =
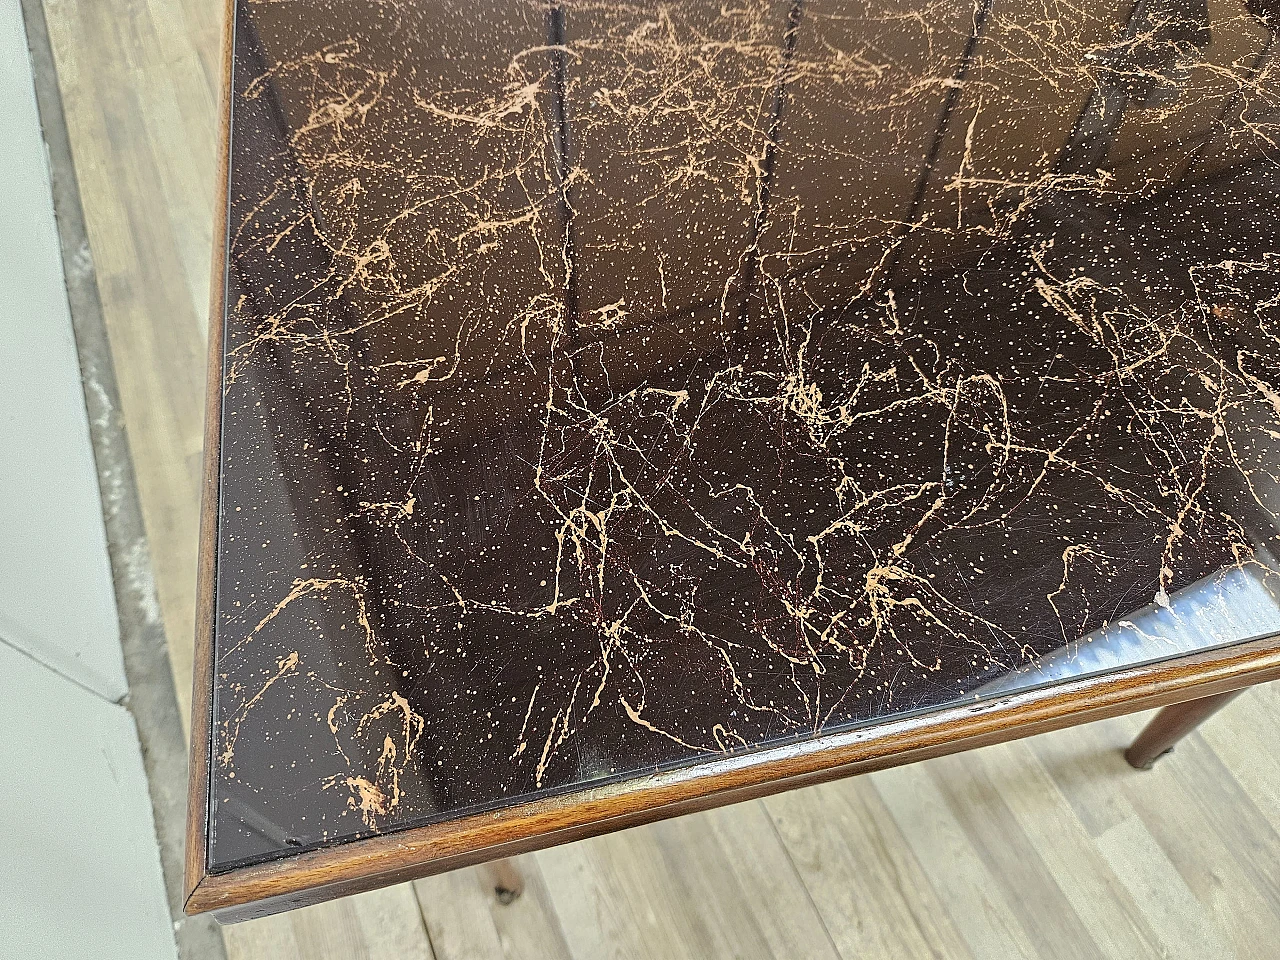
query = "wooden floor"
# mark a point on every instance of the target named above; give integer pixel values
(1051, 847)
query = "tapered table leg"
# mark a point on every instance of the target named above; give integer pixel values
(1172, 724)
(505, 878)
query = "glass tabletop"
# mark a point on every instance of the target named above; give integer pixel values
(611, 386)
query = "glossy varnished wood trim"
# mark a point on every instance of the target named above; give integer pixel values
(196, 865)
(349, 868)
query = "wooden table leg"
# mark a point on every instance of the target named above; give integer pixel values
(1172, 724)
(504, 876)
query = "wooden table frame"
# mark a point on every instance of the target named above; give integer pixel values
(1190, 687)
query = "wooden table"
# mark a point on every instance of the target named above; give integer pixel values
(617, 411)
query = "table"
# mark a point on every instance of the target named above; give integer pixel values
(618, 410)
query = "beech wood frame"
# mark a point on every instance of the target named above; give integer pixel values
(318, 875)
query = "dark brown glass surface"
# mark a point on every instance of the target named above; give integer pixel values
(608, 386)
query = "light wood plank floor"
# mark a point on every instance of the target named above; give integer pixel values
(1047, 848)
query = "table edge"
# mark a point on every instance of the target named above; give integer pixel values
(201, 731)
(312, 877)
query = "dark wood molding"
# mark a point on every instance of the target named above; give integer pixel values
(344, 869)
(202, 680)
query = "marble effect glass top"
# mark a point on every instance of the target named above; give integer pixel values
(608, 386)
